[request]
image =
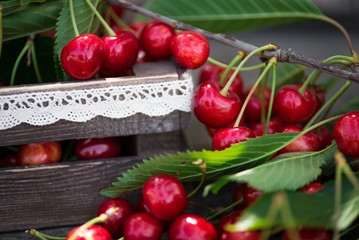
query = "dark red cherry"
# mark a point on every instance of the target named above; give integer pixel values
(97, 148)
(164, 196)
(225, 137)
(120, 52)
(39, 153)
(346, 133)
(189, 49)
(117, 9)
(141, 206)
(122, 209)
(254, 108)
(237, 195)
(212, 108)
(213, 73)
(251, 194)
(9, 160)
(309, 142)
(90, 233)
(275, 125)
(83, 56)
(309, 234)
(311, 188)
(324, 135)
(142, 226)
(156, 39)
(319, 93)
(293, 107)
(190, 226)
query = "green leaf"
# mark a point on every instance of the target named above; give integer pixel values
(31, 19)
(288, 171)
(235, 15)
(239, 157)
(85, 21)
(288, 73)
(311, 210)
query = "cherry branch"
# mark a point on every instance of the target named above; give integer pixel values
(288, 55)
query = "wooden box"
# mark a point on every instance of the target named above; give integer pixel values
(67, 193)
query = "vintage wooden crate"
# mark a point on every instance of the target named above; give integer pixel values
(67, 193)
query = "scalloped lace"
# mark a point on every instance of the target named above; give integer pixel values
(43, 108)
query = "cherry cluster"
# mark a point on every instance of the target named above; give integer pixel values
(110, 56)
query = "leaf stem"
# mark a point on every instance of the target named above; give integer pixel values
(73, 19)
(17, 62)
(35, 64)
(240, 115)
(100, 18)
(235, 60)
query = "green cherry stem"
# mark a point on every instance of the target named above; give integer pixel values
(73, 20)
(260, 49)
(337, 195)
(240, 115)
(287, 216)
(100, 18)
(17, 62)
(118, 20)
(42, 236)
(235, 60)
(330, 102)
(202, 206)
(270, 107)
(251, 68)
(202, 165)
(347, 170)
(35, 64)
(224, 210)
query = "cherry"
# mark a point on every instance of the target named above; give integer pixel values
(213, 73)
(241, 235)
(324, 135)
(225, 137)
(293, 107)
(117, 9)
(309, 142)
(190, 226)
(319, 93)
(311, 188)
(82, 57)
(212, 108)
(346, 133)
(97, 148)
(120, 52)
(229, 219)
(251, 194)
(156, 38)
(237, 195)
(39, 153)
(138, 27)
(253, 110)
(189, 49)
(89, 233)
(310, 234)
(122, 207)
(275, 125)
(142, 226)
(9, 160)
(164, 196)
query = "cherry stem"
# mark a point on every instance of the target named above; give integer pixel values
(235, 60)
(284, 207)
(331, 101)
(73, 20)
(238, 120)
(202, 165)
(270, 107)
(337, 196)
(17, 62)
(35, 63)
(251, 68)
(341, 161)
(100, 18)
(224, 91)
(262, 97)
(224, 210)
(118, 20)
(202, 206)
(43, 236)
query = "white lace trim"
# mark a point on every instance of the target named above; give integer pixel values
(43, 108)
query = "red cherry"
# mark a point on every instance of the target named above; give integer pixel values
(346, 133)
(90, 233)
(319, 93)
(213, 73)
(156, 39)
(82, 57)
(117, 9)
(225, 137)
(39, 153)
(250, 194)
(310, 234)
(324, 135)
(275, 125)
(237, 195)
(142, 226)
(97, 148)
(228, 220)
(164, 196)
(309, 142)
(189, 49)
(293, 107)
(311, 188)
(9, 160)
(122, 208)
(120, 52)
(190, 226)
(254, 107)
(212, 108)
(138, 27)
